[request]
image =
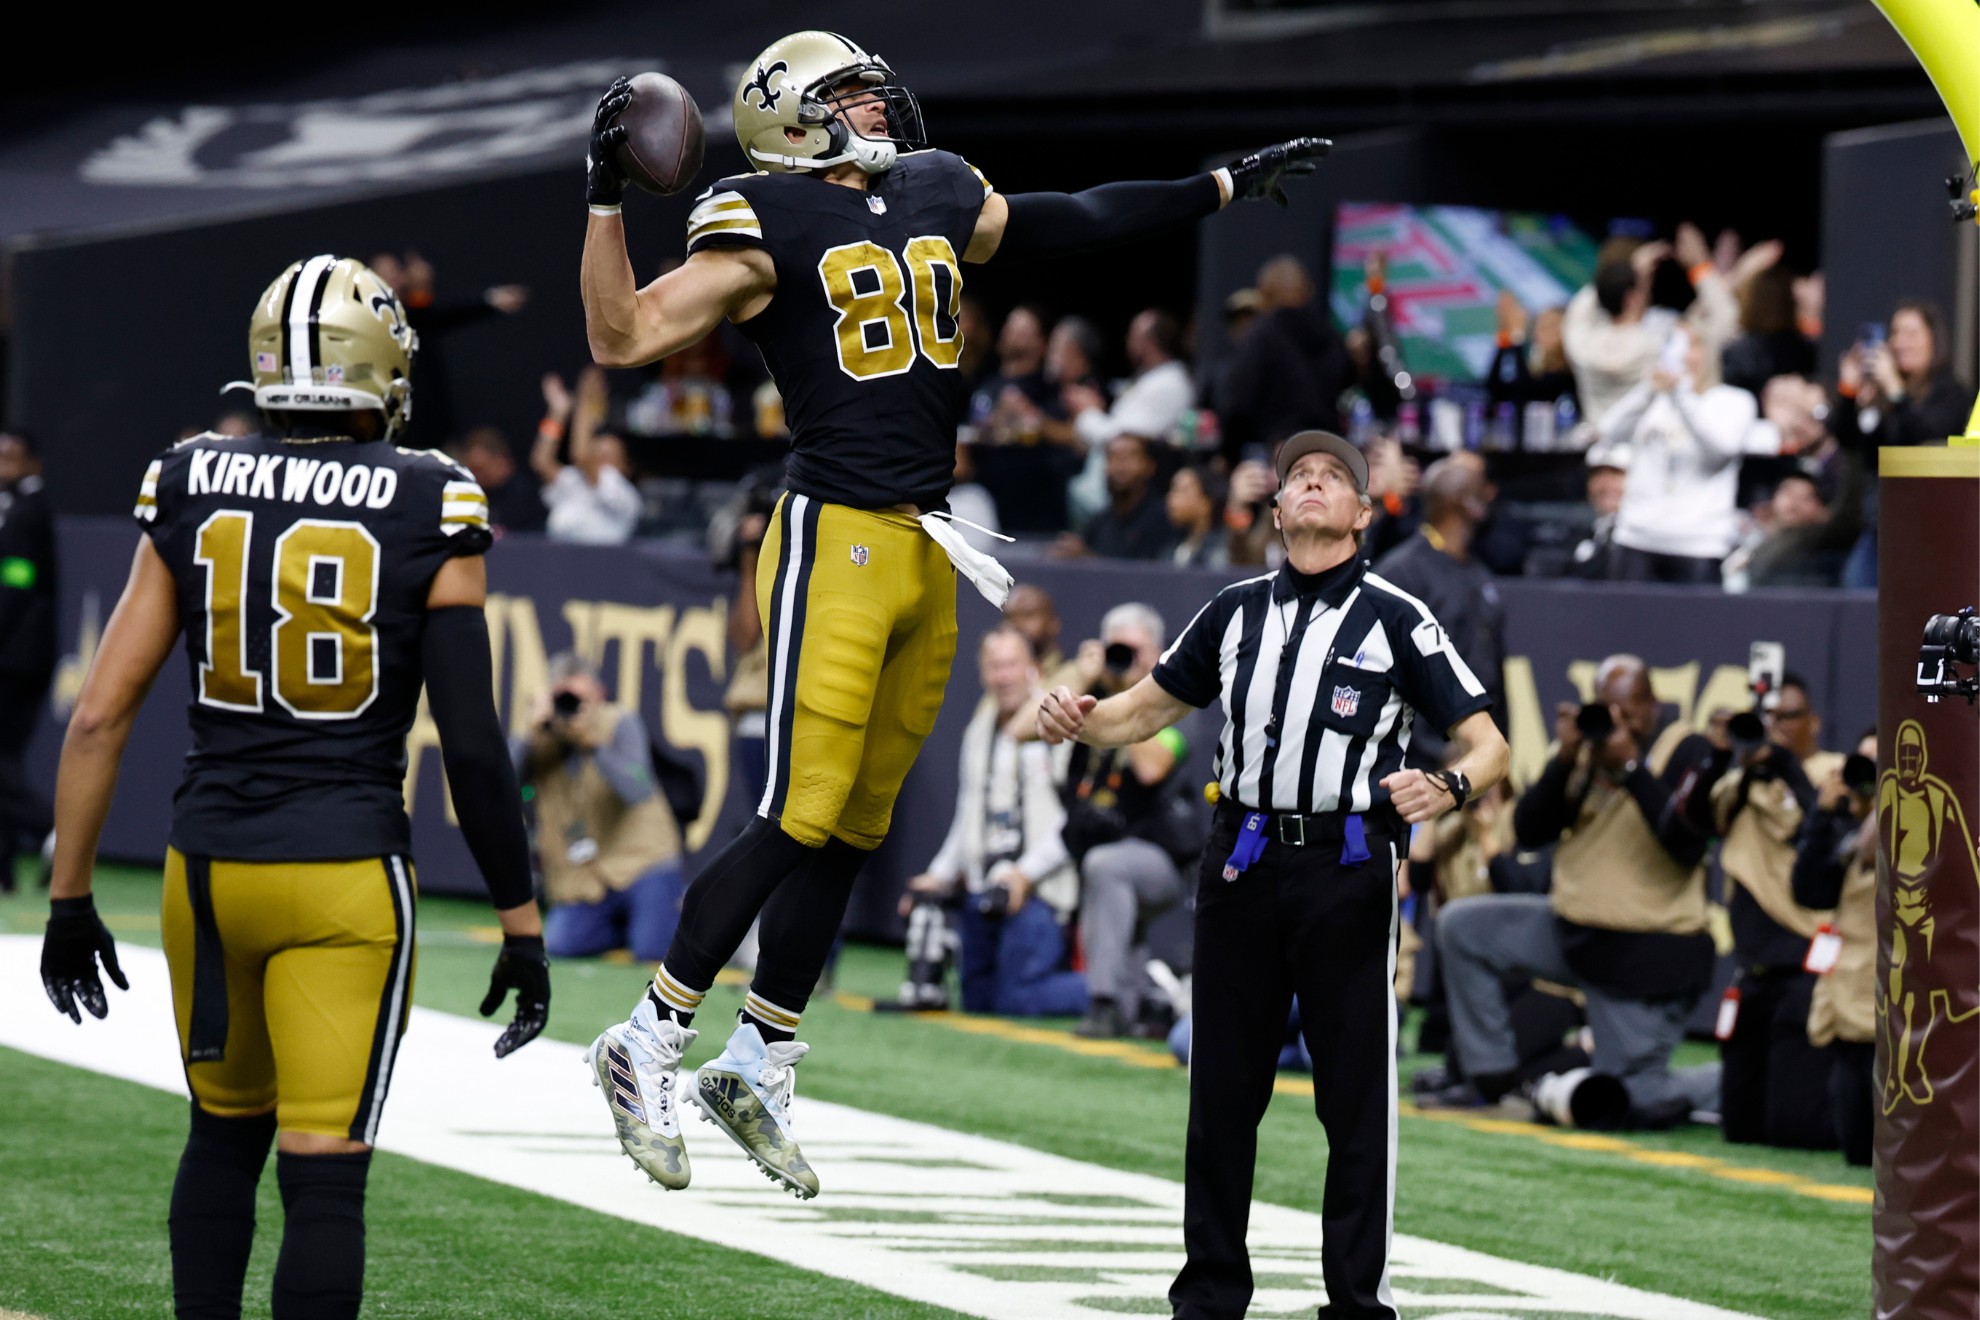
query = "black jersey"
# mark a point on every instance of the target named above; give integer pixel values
(302, 569)
(861, 333)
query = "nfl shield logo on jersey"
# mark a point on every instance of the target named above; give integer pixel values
(859, 555)
(877, 205)
(1347, 701)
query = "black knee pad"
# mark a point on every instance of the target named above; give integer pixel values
(320, 1273)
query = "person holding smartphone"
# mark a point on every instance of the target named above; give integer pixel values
(1680, 433)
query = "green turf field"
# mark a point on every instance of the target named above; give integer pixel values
(1718, 1224)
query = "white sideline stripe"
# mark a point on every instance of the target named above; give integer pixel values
(533, 1121)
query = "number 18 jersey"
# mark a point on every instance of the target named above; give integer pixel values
(861, 334)
(302, 570)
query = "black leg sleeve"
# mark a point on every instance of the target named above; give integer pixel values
(212, 1215)
(801, 923)
(480, 777)
(721, 902)
(320, 1273)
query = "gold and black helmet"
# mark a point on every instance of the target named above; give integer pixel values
(800, 83)
(330, 336)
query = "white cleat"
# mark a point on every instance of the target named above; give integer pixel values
(747, 1092)
(637, 1064)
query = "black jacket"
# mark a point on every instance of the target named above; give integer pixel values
(1286, 376)
(1927, 419)
(1461, 596)
(27, 580)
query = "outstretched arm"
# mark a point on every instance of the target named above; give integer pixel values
(1134, 716)
(1041, 225)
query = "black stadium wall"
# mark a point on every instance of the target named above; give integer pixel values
(655, 619)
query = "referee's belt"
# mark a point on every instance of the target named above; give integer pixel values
(1297, 831)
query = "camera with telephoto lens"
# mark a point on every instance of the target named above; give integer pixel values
(1595, 721)
(993, 901)
(566, 704)
(1950, 639)
(1120, 658)
(1859, 775)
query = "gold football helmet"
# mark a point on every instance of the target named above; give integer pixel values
(330, 336)
(800, 83)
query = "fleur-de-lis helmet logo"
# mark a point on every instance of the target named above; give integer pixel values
(766, 95)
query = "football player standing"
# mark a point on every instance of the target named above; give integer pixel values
(842, 260)
(319, 575)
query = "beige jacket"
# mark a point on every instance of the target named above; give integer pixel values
(1844, 1007)
(1611, 873)
(1758, 853)
(588, 840)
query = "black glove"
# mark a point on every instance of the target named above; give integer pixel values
(76, 938)
(524, 967)
(1259, 174)
(604, 181)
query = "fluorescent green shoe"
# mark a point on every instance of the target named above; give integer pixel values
(637, 1065)
(747, 1091)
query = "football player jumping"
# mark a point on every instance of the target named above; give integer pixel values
(319, 574)
(842, 259)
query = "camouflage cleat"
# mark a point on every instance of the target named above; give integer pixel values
(747, 1092)
(637, 1065)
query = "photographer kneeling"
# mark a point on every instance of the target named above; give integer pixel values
(1005, 853)
(1127, 827)
(1775, 1088)
(606, 839)
(1625, 922)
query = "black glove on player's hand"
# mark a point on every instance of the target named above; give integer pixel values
(524, 967)
(1260, 173)
(76, 938)
(604, 181)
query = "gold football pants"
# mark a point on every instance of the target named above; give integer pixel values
(291, 985)
(860, 610)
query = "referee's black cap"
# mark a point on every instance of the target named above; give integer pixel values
(1299, 445)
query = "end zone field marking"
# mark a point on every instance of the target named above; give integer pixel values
(984, 1227)
(1145, 1057)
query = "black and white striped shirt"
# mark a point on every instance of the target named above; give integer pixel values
(1320, 677)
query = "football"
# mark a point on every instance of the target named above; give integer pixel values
(664, 139)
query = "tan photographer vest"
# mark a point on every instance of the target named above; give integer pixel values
(1611, 873)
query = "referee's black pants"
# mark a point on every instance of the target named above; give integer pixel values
(1297, 921)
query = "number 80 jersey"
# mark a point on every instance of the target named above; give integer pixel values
(302, 570)
(861, 334)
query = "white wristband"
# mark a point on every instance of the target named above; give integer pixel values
(604, 210)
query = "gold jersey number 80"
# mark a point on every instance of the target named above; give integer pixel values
(325, 593)
(864, 283)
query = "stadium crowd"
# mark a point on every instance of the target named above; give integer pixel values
(1668, 423)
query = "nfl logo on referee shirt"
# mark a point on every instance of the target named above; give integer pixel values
(1347, 701)
(859, 555)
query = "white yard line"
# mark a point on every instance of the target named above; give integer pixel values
(979, 1226)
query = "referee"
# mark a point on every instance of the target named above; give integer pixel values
(1320, 668)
